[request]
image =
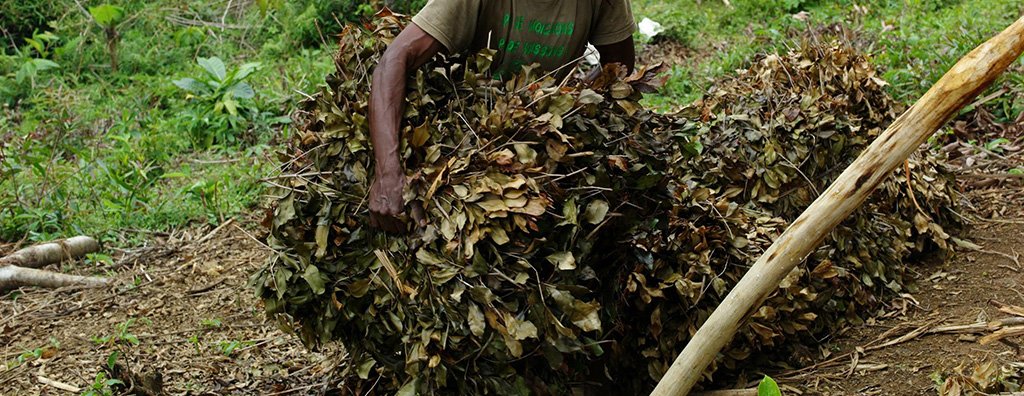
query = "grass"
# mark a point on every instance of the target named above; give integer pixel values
(912, 42)
(86, 150)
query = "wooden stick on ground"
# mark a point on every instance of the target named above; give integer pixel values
(951, 93)
(21, 267)
(42, 255)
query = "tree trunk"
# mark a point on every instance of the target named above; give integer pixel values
(961, 84)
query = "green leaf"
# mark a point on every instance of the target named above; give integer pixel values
(245, 70)
(279, 120)
(596, 211)
(315, 280)
(113, 359)
(564, 260)
(476, 320)
(409, 389)
(214, 67)
(768, 387)
(44, 64)
(231, 106)
(241, 90)
(106, 15)
(266, 5)
(363, 370)
(190, 84)
(35, 44)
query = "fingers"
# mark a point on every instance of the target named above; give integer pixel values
(392, 225)
(417, 214)
(387, 222)
(394, 220)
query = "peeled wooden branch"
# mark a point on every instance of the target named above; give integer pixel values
(951, 93)
(21, 268)
(52, 252)
(13, 277)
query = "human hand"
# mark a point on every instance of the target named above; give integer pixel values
(387, 211)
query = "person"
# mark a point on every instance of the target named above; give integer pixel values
(551, 33)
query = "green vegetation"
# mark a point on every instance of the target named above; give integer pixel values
(42, 352)
(101, 384)
(913, 42)
(115, 117)
(158, 143)
(121, 334)
(768, 387)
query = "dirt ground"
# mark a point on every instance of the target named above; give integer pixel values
(184, 303)
(960, 291)
(179, 311)
(184, 298)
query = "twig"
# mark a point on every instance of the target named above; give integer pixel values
(255, 239)
(991, 96)
(294, 390)
(223, 161)
(1000, 334)
(1015, 258)
(393, 272)
(993, 176)
(974, 328)
(729, 392)
(910, 188)
(87, 14)
(193, 22)
(59, 385)
(225, 15)
(211, 285)
(215, 231)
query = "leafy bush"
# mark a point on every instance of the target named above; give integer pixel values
(221, 103)
(306, 17)
(24, 68)
(20, 18)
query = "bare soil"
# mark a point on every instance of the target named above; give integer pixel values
(198, 325)
(946, 292)
(184, 299)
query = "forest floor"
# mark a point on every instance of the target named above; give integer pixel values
(910, 349)
(180, 307)
(179, 310)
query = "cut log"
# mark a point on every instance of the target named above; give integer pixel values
(13, 277)
(21, 267)
(954, 90)
(39, 256)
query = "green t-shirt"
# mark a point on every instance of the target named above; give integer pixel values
(552, 33)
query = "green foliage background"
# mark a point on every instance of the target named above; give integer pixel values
(87, 150)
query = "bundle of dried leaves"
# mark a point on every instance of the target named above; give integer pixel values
(573, 236)
(773, 137)
(521, 182)
(987, 378)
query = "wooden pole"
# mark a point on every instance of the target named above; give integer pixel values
(953, 91)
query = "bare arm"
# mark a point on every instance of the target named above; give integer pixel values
(411, 49)
(622, 52)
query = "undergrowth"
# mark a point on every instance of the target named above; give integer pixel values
(913, 42)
